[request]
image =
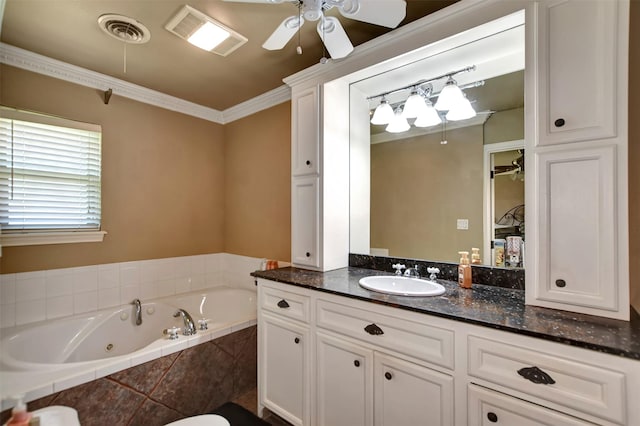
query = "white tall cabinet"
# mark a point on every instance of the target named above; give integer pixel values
(577, 200)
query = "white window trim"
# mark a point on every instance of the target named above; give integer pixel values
(43, 238)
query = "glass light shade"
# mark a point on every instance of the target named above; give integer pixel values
(398, 124)
(449, 96)
(461, 111)
(414, 105)
(429, 117)
(208, 36)
(383, 113)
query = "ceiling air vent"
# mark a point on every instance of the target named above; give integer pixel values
(189, 20)
(124, 28)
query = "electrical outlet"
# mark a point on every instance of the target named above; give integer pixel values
(463, 224)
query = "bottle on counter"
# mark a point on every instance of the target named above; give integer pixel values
(19, 414)
(464, 270)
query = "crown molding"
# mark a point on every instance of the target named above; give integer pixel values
(24, 59)
(266, 100)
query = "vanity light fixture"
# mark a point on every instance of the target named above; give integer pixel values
(429, 117)
(204, 32)
(450, 96)
(398, 123)
(383, 113)
(462, 110)
(415, 105)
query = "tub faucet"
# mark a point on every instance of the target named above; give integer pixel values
(189, 325)
(138, 305)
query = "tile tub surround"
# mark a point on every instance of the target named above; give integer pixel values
(482, 305)
(487, 275)
(43, 295)
(190, 382)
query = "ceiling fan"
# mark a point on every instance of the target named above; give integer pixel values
(387, 13)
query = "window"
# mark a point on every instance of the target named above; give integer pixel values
(49, 179)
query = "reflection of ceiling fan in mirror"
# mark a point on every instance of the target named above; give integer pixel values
(387, 13)
(516, 166)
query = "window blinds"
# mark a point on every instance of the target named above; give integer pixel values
(49, 173)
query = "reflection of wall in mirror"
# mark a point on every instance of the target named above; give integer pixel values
(419, 188)
(508, 187)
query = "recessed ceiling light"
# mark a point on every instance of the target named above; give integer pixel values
(204, 31)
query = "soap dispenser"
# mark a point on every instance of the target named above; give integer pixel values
(19, 414)
(464, 270)
(475, 256)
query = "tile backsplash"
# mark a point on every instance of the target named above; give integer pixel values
(35, 296)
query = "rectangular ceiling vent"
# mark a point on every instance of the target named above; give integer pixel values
(189, 20)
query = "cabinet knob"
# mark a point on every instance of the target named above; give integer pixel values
(308, 163)
(559, 122)
(388, 375)
(308, 254)
(561, 283)
(537, 376)
(283, 304)
(356, 363)
(296, 340)
(373, 329)
(493, 417)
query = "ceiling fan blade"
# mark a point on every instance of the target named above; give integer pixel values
(285, 32)
(387, 13)
(334, 37)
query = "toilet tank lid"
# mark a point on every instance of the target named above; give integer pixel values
(57, 415)
(203, 420)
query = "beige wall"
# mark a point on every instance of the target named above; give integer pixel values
(162, 177)
(418, 190)
(634, 154)
(504, 126)
(258, 184)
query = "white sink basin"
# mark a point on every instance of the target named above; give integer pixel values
(405, 286)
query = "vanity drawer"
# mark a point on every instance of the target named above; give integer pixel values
(574, 384)
(287, 304)
(412, 338)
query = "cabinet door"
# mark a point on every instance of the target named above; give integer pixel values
(284, 369)
(407, 394)
(305, 225)
(488, 408)
(577, 68)
(305, 138)
(344, 388)
(576, 253)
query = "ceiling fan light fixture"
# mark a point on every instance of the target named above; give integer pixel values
(383, 113)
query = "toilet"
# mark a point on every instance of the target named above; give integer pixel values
(203, 420)
(57, 415)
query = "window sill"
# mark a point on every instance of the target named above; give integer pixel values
(43, 238)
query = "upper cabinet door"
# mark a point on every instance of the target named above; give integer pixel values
(305, 132)
(578, 56)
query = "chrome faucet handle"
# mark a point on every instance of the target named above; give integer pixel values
(171, 333)
(203, 324)
(433, 272)
(398, 267)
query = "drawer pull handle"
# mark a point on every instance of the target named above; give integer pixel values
(493, 417)
(559, 122)
(296, 340)
(308, 163)
(374, 330)
(388, 376)
(561, 283)
(307, 254)
(535, 375)
(283, 304)
(356, 363)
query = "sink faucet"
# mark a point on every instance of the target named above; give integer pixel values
(412, 272)
(398, 267)
(138, 305)
(189, 325)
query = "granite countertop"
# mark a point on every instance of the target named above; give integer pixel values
(483, 305)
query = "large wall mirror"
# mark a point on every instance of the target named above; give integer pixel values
(430, 192)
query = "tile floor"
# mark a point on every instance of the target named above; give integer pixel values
(249, 401)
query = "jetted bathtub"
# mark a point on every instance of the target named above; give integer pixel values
(95, 344)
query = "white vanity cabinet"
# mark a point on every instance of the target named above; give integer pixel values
(577, 208)
(284, 348)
